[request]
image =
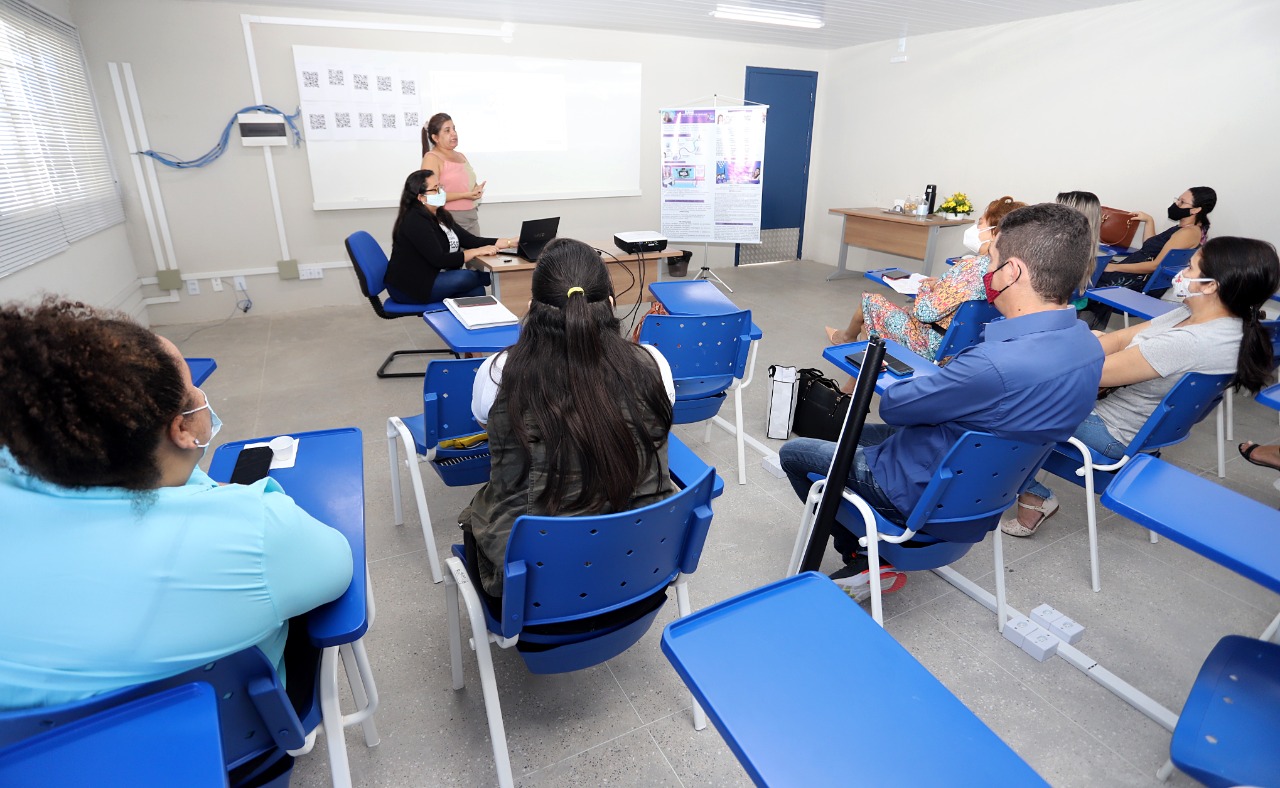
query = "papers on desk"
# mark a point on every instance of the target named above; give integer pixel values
(909, 286)
(480, 312)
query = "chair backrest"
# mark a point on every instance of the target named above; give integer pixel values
(446, 399)
(255, 714)
(1099, 266)
(701, 346)
(1273, 329)
(561, 569)
(1174, 261)
(966, 326)
(370, 263)
(978, 479)
(1184, 406)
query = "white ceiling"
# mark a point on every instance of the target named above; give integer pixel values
(848, 22)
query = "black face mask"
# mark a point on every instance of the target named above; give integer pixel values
(1177, 213)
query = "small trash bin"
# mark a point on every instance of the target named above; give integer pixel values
(679, 266)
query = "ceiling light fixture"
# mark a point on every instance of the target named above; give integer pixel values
(767, 16)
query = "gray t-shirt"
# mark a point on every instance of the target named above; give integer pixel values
(1172, 350)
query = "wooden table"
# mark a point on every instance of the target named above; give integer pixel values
(895, 233)
(513, 275)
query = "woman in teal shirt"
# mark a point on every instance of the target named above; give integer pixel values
(121, 562)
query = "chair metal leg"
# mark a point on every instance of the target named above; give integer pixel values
(1091, 506)
(488, 683)
(706, 438)
(360, 691)
(455, 634)
(1222, 446)
(997, 547)
(382, 370)
(1270, 632)
(1231, 414)
(682, 604)
(738, 436)
(806, 526)
(1162, 774)
(334, 736)
(419, 495)
(394, 457)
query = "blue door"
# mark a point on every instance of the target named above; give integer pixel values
(788, 138)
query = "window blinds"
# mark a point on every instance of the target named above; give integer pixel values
(56, 183)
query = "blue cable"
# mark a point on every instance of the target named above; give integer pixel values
(217, 150)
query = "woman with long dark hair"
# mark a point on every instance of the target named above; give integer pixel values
(1190, 215)
(1217, 331)
(429, 249)
(577, 415)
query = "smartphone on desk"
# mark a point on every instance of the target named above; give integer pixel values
(895, 275)
(895, 366)
(252, 465)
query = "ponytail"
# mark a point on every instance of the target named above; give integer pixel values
(1204, 198)
(1247, 272)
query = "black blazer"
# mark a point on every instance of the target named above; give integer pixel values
(420, 251)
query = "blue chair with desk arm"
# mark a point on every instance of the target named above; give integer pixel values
(1143, 304)
(169, 738)
(1184, 406)
(371, 263)
(707, 354)
(966, 327)
(446, 415)
(256, 720)
(565, 573)
(976, 481)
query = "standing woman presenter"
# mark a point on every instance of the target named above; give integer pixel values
(440, 154)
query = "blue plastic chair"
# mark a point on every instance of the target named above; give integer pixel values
(446, 414)
(1184, 406)
(763, 663)
(966, 327)
(564, 570)
(371, 270)
(975, 482)
(707, 354)
(256, 718)
(169, 738)
(1227, 731)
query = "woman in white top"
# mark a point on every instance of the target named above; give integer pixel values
(1217, 330)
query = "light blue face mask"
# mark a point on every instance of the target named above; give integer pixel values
(214, 421)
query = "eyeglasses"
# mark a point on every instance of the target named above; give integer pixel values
(1186, 204)
(432, 190)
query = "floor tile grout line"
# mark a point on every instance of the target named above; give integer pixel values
(663, 753)
(624, 692)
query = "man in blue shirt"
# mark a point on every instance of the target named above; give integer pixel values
(1033, 378)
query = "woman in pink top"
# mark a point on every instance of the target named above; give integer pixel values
(440, 154)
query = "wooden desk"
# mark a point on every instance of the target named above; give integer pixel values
(880, 231)
(513, 280)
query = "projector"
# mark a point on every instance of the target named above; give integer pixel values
(640, 241)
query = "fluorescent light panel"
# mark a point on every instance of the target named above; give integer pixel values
(767, 16)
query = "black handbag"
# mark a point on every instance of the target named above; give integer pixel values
(820, 407)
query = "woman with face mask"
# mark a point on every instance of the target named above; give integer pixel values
(1190, 215)
(921, 328)
(1217, 330)
(429, 249)
(121, 562)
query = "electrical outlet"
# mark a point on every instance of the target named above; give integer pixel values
(217, 284)
(310, 272)
(240, 283)
(193, 287)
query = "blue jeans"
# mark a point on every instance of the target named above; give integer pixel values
(456, 283)
(801, 456)
(1093, 433)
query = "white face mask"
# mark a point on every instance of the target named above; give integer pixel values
(436, 200)
(1182, 285)
(973, 238)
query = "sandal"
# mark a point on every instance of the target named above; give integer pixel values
(1248, 455)
(1009, 522)
(831, 335)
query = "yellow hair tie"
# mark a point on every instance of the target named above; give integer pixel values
(573, 290)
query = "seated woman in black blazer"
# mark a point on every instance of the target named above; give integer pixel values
(429, 249)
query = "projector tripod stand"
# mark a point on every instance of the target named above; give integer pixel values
(706, 273)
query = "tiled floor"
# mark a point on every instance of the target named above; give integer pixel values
(628, 722)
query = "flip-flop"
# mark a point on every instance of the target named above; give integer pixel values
(1248, 455)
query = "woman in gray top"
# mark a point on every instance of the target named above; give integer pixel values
(1217, 330)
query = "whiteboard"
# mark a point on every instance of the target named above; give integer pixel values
(533, 128)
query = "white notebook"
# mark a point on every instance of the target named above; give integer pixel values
(481, 312)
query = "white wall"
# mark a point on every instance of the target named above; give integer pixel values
(1134, 102)
(192, 74)
(98, 270)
